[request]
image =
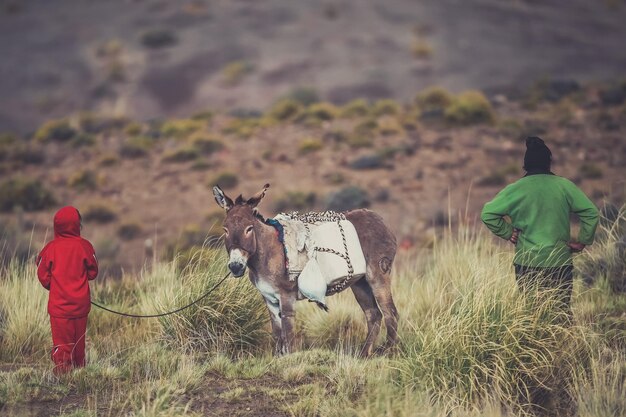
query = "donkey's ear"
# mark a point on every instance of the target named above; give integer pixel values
(222, 199)
(256, 199)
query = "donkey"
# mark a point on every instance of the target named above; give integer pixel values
(252, 243)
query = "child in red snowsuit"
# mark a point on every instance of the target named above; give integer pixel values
(64, 267)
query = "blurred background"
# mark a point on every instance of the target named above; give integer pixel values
(132, 110)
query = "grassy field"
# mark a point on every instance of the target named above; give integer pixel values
(471, 344)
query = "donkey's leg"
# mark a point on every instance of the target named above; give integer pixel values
(364, 296)
(381, 288)
(288, 319)
(274, 309)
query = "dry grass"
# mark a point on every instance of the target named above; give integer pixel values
(471, 345)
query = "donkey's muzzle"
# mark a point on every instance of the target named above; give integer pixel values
(237, 268)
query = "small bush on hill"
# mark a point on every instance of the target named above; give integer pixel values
(470, 107)
(206, 115)
(83, 139)
(322, 111)
(360, 141)
(158, 38)
(389, 127)
(133, 129)
(184, 154)
(434, 98)
(136, 147)
(207, 145)
(225, 180)
(108, 160)
(590, 171)
(348, 198)
(7, 139)
(243, 128)
(181, 128)
(26, 154)
(82, 180)
(100, 212)
(355, 108)
(304, 95)
(421, 49)
(235, 71)
(286, 109)
(29, 194)
(386, 107)
(129, 230)
(56, 131)
(295, 200)
(309, 145)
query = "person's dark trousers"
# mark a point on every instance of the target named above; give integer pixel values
(558, 278)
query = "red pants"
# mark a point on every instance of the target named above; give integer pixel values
(68, 337)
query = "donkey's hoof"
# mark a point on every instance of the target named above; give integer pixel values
(385, 350)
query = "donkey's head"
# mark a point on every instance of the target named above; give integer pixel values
(239, 227)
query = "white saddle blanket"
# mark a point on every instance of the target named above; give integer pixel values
(314, 254)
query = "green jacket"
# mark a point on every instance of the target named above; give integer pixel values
(540, 206)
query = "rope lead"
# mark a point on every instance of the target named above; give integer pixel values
(167, 313)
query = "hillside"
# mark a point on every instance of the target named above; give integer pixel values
(154, 58)
(142, 183)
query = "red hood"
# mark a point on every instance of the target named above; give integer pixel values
(67, 222)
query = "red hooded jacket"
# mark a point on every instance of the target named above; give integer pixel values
(65, 265)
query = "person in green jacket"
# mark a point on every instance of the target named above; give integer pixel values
(539, 207)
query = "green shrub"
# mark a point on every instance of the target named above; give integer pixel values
(304, 95)
(225, 180)
(367, 127)
(136, 147)
(434, 98)
(133, 129)
(99, 212)
(235, 71)
(129, 230)
(470, 107)
(109, 48)
(386, 107)
(108, 160)
(83, 139)
(286, 109)
(184, 154)
(55, 130)
(322, 111)
(182, 128)
(243, 128)
(390, 127)
(26, 154)
(207, 146)
(85, 179)
(206, 115)
(295, 200)
(158, 38)
(590, 170)
(309, 145)
(29, 194)
(360, 141)
(348, 198)
(7, 139)
(355, 108)
(421, 49)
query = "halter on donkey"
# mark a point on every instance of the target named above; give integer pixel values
(253, 244)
